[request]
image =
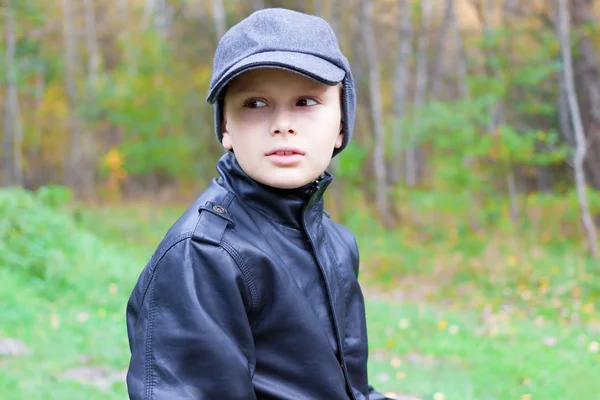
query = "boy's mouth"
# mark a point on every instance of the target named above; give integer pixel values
(285, 156)
(285, 151)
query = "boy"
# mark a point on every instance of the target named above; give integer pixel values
(253, 293)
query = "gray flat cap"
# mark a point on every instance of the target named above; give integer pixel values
(283, 39)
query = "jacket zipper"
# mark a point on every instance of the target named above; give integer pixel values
(315, 189)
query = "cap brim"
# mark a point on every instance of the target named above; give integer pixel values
(308, 65)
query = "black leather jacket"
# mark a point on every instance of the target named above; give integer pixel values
(250, 295)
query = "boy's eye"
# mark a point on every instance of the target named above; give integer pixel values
(307, 102)
(255, 104)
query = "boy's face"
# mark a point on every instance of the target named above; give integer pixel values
(282, 126)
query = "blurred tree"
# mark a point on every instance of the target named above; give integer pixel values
(13, 130)
(588, 82)
(383, 205)
(72, 166)
(401, 89)
(218, 12)
(258, 4)
(581, 144)
(421, 85)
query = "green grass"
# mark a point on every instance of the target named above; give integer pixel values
(486, 317)
(459, 355)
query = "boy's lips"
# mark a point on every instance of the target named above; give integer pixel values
(285, 156)
(283, 151)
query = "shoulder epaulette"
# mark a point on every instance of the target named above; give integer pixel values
(214, 220)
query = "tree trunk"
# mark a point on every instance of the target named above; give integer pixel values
(37, 174)
(91, 41)
(94, 62)
(148, 12)
(420, 89)
(580, 139)
(465, 94)
(336, 20)
(258, 4)
(563, 111)
(163, 17)
(318, 7)
(461, 58)
(515, 209)
(377, 117)
(218, 12)
(587, 73)
(72, 166)
(13, 128)
(400, 88)
(440, 54)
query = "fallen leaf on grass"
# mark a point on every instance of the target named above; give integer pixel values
(401, 396)
(54, 321)
(403, 323)
(113, 288)
(82, 317)
(13, 347)
(101, 377)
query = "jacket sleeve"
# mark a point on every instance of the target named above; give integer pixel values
(188, 327)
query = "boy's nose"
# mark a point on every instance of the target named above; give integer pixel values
(282, 122)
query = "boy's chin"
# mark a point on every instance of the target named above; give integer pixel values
(286, 181)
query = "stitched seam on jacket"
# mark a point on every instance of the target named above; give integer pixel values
(245, 271)
(155, 261)
(149, 375)
(338, 264)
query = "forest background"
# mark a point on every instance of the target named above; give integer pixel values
(472, 184)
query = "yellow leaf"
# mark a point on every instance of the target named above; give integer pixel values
(588, 308)
(112, 288)
(54, 321)
(113, 159)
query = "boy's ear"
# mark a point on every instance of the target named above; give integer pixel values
(339, 140)
(226, 141)
(340, 137)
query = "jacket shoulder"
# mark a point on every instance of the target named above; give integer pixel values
(205, 219)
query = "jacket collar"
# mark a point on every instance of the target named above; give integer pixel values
(285, 206)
